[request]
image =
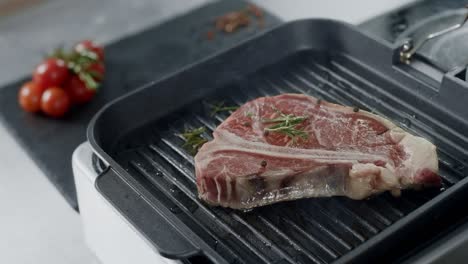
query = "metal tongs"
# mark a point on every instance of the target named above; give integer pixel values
(410, 47)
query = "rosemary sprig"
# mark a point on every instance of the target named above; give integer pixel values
(79, 63)
(220, 107)
(193, 139)
(88, 79)
(287, 125)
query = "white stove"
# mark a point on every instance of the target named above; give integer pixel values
(107, 233)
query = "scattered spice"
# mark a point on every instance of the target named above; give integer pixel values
(356, 109)
(210, 35)
(246, 124)
(234, 20)
(193, 139)
(220, 107)
(263, 163)
(319, 101)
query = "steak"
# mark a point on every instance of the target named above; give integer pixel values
(336, 151)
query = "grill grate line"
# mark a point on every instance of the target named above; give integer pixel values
(210, 125)
(251, 94)
(263, 238)
(218, 118)
(329, 251)
(236, 100)
(301, 74)
(206, 210)
(346, 98)
(327, 231)
(266, 81)
(292, 242)
(448, 178)
(172, 162)
(449, 167)
(179, 151)
(375, 214)
(364, 222)
(388, 205)
(172, 180)
(404, 200)
(265, 92)
(161, 188)
(332, 219)
(327, 96)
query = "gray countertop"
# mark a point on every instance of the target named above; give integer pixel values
(25, 36)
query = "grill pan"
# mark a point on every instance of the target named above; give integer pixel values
(150, 178)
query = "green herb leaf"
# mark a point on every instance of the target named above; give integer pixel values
(193, 139)
(220, 107)
(79, 63)
(89, 55)
(95, 74)
(287, 125)
(88, 79)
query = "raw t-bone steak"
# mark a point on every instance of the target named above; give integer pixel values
(333, 150)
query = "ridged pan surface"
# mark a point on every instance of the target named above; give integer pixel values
(317, 230)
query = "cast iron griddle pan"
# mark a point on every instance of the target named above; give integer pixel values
(151, 180)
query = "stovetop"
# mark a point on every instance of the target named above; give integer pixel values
(433, 32)
(391, 25)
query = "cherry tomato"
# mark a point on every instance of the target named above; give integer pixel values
(51, 72)
(89, 45)
(29, 97)
(55, 102)
(97, 68)
(78, 91)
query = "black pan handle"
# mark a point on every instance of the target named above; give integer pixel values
(155, 223)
